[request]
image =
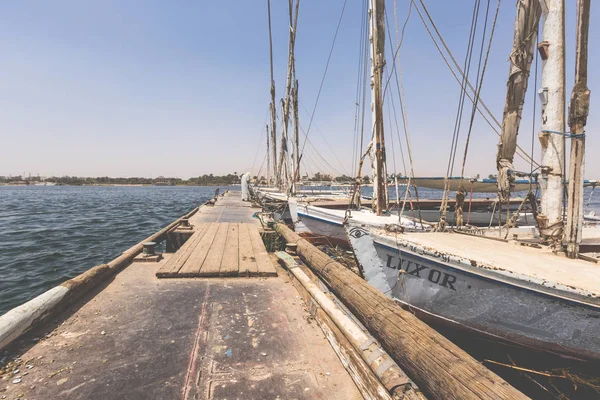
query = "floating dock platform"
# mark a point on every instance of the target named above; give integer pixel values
(140, 337)
(226, 242)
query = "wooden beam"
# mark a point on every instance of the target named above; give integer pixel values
(212, 263)
(263, 261)
(177, 260)
(231, 256)
(378, 363)
(193, 264)
(248, 264)
(440, 368)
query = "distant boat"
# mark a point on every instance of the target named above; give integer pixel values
(480, 185)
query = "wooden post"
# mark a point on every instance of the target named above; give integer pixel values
(578, 111)
(440, 368)
(552, 94)
(272, 107)
(377, 44)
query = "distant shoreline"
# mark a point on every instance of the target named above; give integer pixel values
(116, 184)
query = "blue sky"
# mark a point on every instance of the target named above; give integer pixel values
(181, 88)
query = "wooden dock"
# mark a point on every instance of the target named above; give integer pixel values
(139, 337)
(226, 242)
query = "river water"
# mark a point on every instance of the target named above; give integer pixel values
(49, 234)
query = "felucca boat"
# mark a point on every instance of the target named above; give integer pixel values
(543, 295)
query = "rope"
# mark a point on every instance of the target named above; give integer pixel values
(323, 78)
(496, 124)
(458, 118)
(566, 134)
(477, 96)
(512, 221)
(360, 86)
(397, 70)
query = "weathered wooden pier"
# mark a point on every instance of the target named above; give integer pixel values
(228, 323)
(226, 242)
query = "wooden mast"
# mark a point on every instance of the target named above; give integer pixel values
(579, 108)
(268, 159)
(521, 57)
(377, 43)
(284, 168)
(276, 177)
(296, 140)
(552, 140)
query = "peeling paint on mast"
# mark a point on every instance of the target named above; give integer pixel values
(552, 94)
(377, 43)
(578, 112)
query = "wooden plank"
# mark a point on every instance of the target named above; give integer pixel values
(230, 261)
(212, 263)
(194, 262)
(263, 261)
(174, 264)
(247, 261)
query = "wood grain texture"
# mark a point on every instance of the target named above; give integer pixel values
(440, 368)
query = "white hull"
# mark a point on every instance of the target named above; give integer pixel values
(516, 308)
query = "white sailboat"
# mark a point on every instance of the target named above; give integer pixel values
(506, 289)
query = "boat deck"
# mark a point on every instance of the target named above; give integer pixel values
(140, 337)
(542, 265)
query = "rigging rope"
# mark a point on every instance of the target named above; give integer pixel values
(359, 86)
(480, 78)
(262, 136)
(341, 164)
(487, 116)
(397, 71)
(458, 120)
(323, 78)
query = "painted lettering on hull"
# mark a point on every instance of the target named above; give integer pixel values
(422, 271)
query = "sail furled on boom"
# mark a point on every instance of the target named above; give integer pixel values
(521, 57)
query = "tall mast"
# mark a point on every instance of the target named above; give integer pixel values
(296, 137)
(273, 110)
(525, 36)
(377, 44)
(268, 159)
(552, 140)
(283, 160)
(578, 111)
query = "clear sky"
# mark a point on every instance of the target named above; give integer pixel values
(181, 88)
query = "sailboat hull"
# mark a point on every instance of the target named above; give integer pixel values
(491, 306)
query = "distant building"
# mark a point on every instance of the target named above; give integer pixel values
(162, 181)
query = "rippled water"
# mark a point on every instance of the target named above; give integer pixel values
(49, 234)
